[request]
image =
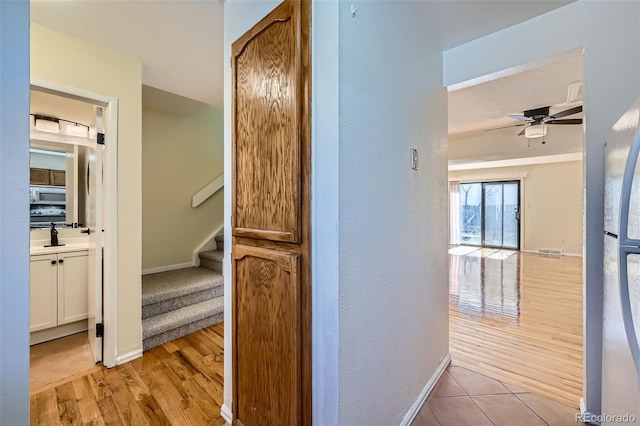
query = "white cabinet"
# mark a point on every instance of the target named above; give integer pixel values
(58, 286)
(43, 285)
(72, 287)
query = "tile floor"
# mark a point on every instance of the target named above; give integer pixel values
(462, 397)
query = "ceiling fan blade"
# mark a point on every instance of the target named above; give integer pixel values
(522, 132)
(564, 113)
(521, 117)
(505, 127)
(566, 121)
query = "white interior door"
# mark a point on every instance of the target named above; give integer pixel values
(93, 170)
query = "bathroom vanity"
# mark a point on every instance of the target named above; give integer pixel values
(58, 287)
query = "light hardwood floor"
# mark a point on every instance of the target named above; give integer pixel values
(58, 359)
(517, 317)
(178, 383)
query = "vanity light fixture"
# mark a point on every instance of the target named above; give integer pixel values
(47, 124)
(77, 130)
(53, 125)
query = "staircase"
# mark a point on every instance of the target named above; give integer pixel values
(212, 259)
(176, 303)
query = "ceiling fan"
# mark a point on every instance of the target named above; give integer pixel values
(537, 119)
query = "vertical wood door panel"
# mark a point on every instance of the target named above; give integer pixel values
(267, 336)
(267, 107)
(271, 244)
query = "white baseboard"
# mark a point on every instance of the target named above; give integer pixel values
(563, 253)
(226, 413)
(415, 408)
(53, 333)
(166, 268)
(208, 243)
(586, 415)
(129, 356)
(573, 254)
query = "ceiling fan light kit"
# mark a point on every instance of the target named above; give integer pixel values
(536, 121)
(535, 131)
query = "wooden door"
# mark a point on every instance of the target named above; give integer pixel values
(94, 212)
(271, 164)
(267, 323)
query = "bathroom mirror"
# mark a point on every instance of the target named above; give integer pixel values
(57, 181)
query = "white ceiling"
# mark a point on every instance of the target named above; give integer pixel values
(487, 105)
(450, 23)
(180, 42)
(42, 103)
(475, 108)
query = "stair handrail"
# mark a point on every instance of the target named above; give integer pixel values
(206, 192)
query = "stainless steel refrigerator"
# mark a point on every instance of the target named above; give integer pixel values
(621, 353)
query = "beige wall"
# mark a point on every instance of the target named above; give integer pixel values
(60, 59)
(551, 205)
(181, 154)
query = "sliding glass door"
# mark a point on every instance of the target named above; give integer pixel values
(511, 215)
(471, 214)
(490, 214)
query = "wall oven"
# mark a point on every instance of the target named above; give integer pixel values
(47, 205)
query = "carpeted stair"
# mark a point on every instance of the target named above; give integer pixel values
(176, 303)
(212, 259)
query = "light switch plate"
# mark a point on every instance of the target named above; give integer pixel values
(414, 159)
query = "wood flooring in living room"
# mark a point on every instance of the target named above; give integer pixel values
(517, 317)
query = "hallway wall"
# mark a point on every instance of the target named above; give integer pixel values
(14, 226)
(551, 203)
(393, 270)
(64, 60)
(180, 155)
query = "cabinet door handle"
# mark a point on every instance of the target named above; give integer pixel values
(53, 262)
(61, 261)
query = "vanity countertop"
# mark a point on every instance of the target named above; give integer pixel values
(68, 247)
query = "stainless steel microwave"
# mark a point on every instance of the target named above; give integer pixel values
(49, 195)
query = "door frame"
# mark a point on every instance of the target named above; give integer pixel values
(501, 179)
(110, 222)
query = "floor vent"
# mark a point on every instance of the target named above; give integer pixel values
(550, 252)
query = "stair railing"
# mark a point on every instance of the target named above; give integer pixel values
(206, 192)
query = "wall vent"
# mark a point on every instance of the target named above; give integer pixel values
(550, 252)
